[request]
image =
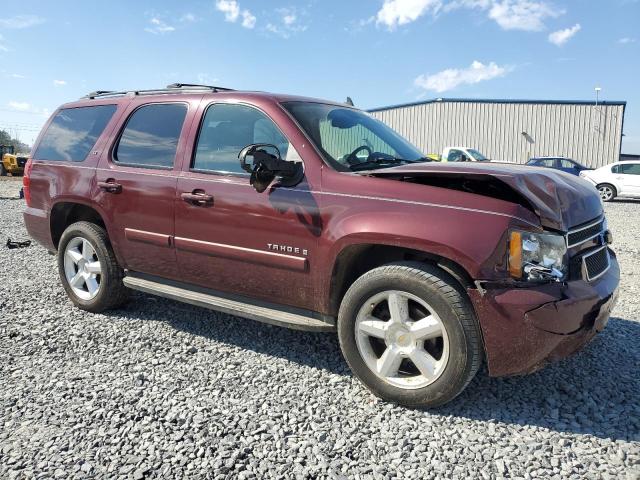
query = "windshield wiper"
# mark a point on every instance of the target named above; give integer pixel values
(377, 162)
(383, 162)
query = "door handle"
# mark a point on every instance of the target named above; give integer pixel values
(110, 186)
(197, 197)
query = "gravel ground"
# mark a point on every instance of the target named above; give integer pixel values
(162, 389)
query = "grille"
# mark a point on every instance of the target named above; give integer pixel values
(580, 235)
(596, 263)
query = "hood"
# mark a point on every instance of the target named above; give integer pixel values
(560, 200)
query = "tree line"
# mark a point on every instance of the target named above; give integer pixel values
(6, 139)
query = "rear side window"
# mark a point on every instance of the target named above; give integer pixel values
(150, 138)
(73, 132)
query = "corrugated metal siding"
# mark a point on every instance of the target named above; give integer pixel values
(587, 133)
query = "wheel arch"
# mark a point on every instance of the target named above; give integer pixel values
(356, 259)
(66, 212)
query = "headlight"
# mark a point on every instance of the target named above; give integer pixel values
(537, 256)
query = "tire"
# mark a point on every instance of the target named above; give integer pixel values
(3, 171)
(84, 245)
(607, 192)
(457, 351)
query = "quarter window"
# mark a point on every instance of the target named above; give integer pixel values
(73, 132)
(227, 129)
(151, 136)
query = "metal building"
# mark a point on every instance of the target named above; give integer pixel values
(513, 130)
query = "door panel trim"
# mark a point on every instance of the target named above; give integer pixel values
(271, 259)
(160, 239)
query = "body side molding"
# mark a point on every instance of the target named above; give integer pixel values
(269, 258)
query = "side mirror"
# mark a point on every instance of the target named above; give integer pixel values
(266, 167)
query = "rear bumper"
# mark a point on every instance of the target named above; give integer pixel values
(526, 328)
(37, 224)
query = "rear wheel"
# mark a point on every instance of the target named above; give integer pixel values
(88, 268)
(409, 334)
(607, 192)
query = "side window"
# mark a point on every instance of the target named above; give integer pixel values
(566, 163)
(73, 132)
(455, 156)
(630, 168)
(226, 129)
(548, 162)
(615, 169)
(150, 137)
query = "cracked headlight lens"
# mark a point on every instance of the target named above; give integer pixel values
(537, 256)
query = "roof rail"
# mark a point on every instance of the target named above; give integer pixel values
(172, 88)
(197, 85)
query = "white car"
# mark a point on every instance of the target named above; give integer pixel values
(620, 179)
(462, 154)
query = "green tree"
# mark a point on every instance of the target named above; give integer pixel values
(6, 139)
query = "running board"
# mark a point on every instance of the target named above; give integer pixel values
(261, 313)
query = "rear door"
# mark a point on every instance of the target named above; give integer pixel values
(136, 184)
(231, 238)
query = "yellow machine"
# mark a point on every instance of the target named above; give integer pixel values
(11, 163)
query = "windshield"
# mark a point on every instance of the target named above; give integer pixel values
(350, 139)
(477, 155)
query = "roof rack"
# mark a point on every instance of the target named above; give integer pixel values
(172, 88)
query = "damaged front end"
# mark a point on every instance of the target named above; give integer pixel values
(560, 279)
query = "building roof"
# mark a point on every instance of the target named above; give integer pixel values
(494, 100)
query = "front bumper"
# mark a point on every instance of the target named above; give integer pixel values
(525, 328)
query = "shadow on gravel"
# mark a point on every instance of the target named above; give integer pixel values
(594, 392)
(626, 200)
(316, 350)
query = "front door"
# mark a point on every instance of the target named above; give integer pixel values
(136, 185)
(231, 238)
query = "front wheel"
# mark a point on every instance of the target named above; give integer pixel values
(3, 171)
(607, 192)
(88, 268)
(410, 334)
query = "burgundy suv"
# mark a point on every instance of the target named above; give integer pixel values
(314, 215)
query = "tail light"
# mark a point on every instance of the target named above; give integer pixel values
(26, 182)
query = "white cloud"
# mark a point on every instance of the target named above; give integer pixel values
(248, 19)
(453, 77)
(288, 24)
(561, 37)
(188, 18)
(626, 40)
(159, 27)
(232, 12)
(59, 83)
(21, 21)
(20, 106)
(15, 75)
(522, 14)
(526, 15)
(400, 12)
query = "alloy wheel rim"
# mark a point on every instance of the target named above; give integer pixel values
(82, 268)
(401, 339)
(605, 193)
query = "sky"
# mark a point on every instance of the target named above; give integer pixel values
(378, 52)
